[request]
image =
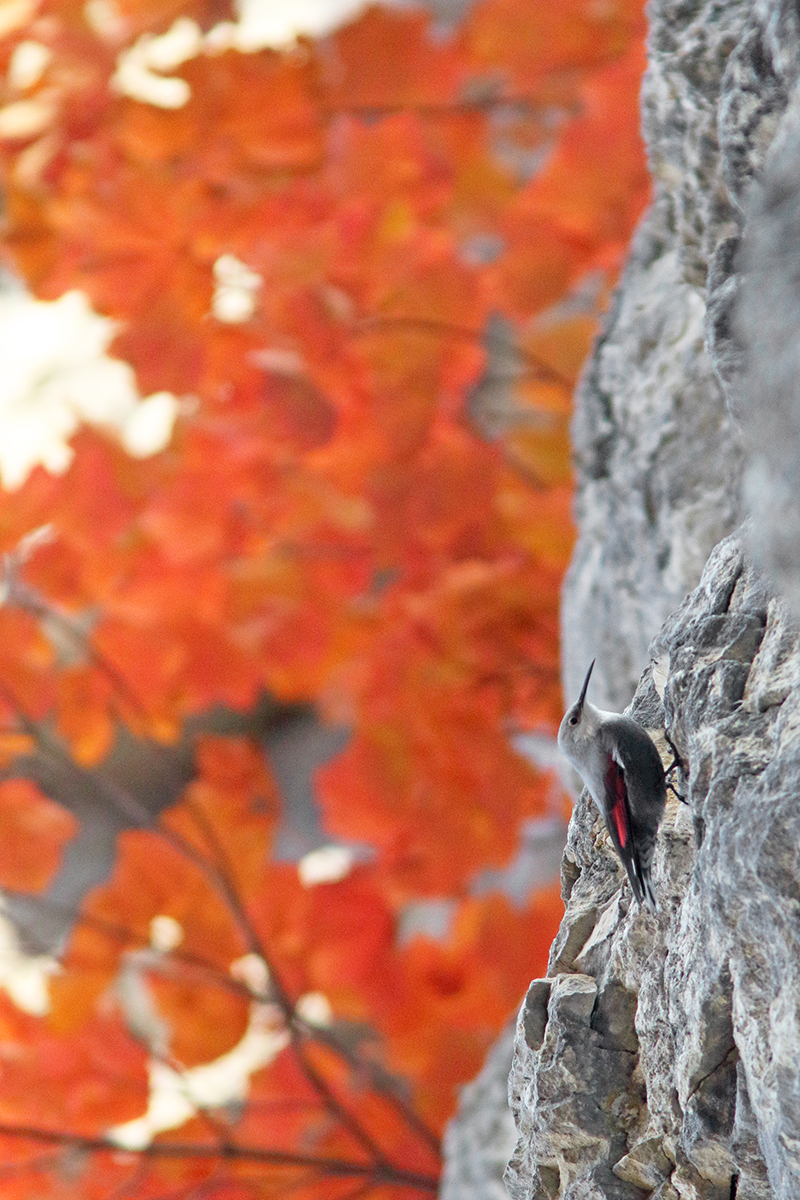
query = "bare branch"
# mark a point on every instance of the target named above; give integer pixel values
(377, 1173)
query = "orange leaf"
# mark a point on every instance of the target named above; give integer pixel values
(230, 811)
(463, 989)
(561, 345)
(205, 1020)
(84, 719)
(598, 196)
(152, 878)
(387, 59)
(541, 261)
(543, 450)
(83, 1082)
(536, 41)
(33, 831)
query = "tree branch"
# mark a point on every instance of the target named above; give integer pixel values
(375, 1172)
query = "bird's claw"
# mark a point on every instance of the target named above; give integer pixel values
(676, 764)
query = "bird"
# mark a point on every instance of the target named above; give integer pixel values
(620, 765)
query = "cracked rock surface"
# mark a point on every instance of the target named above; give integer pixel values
(661, 1057)
(696, 380)
(662, 1054)
(657, 451)
(695, 385)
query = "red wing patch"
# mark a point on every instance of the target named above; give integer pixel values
(618, 802)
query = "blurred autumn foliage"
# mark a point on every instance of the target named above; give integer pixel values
(365, 505)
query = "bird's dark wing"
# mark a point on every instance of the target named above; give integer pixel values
(636, 754)
(642, 778)
(618, 820)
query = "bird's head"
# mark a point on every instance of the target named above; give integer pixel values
(580, 721)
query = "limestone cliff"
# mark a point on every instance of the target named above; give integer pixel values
(661, 1056)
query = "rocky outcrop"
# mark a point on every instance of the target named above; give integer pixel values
(658, 455)
(696, 379)
(659, 464)
(766, 325)
(661, 1055)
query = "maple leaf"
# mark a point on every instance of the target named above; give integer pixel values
(388, 60)
(35, 830)
(538, 43)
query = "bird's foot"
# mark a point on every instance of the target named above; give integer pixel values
(678, 796)
(677, 764)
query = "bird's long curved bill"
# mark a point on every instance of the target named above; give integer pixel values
(585, 687)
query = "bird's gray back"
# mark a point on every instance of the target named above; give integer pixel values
(636, 753)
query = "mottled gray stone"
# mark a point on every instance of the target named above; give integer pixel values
(769, 325)
(658, 465)
(658, 455)
(690, 44)
(584, 1066)
(753, 300)
(671, 1061)
(661, 1056)
(700, 352)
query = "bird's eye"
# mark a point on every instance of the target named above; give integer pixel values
(573, 720)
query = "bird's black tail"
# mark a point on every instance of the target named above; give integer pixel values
(640, 882)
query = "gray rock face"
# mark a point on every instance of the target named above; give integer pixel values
(700, 359)
(753, 295)
(658, 467)
(662, 1054)
(768, 323)
(658, 456)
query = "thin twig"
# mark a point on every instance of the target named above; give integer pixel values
(538, 367)
(347, 1119)
(390, 1094)
(219, 877)
(379, 1173)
